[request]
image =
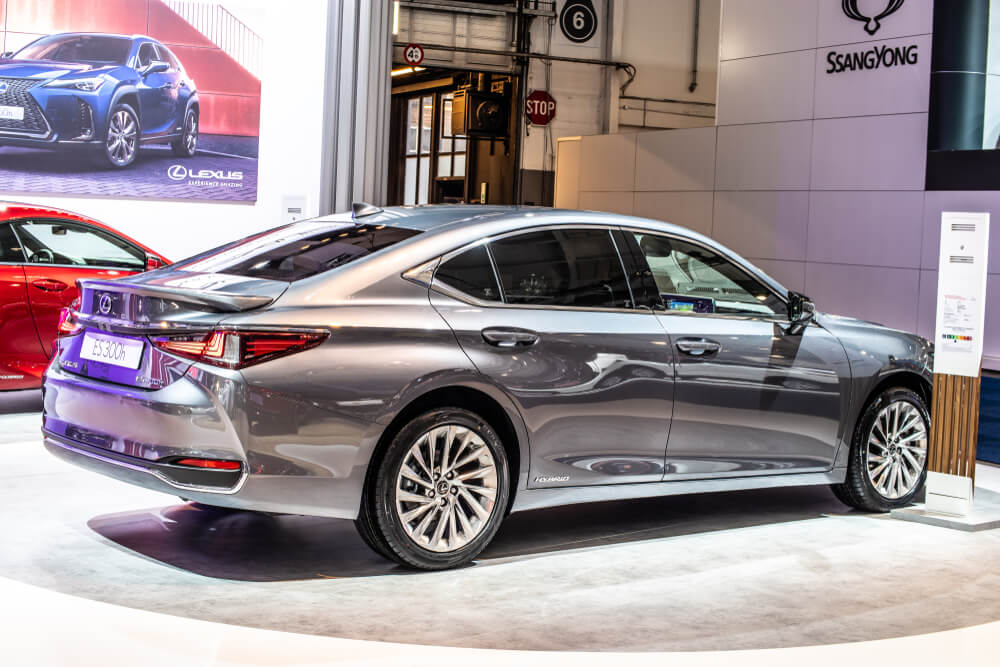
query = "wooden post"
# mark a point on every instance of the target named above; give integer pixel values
(954, 425)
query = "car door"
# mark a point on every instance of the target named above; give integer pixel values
(22, 359)
(59, 252)
(753, 395)
(157, 94)
(590, 374)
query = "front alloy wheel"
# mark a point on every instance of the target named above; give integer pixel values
(897, 449)
(121, 144)
(440, 491)
(887, 464)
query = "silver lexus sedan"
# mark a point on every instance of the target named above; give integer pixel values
(426, 371)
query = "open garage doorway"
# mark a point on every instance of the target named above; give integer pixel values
(453, 137)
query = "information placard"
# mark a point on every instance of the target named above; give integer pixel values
(961, 297)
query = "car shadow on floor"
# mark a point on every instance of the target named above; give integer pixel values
(250, 546)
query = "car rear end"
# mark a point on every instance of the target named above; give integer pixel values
(149, 382)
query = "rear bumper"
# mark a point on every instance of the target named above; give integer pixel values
(295, 458)
(150, 474)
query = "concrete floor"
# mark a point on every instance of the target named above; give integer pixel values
(763, 569)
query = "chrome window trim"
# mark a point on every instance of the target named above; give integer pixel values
(448, 291)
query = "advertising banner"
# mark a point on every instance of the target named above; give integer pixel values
(961, 299)
(130, 98)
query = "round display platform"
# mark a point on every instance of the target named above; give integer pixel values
(746, 570)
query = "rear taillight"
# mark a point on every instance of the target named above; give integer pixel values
(210, 464)
(68, 325)
(238, 349)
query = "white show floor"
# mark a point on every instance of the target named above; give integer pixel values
(93, 571)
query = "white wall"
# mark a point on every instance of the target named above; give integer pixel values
(292, 121)
(658, 38)
(817, 178)
(654, 35)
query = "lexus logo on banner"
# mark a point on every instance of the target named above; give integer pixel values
(872, 23)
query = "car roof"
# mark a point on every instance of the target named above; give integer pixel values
(145, 38)
(448, 227)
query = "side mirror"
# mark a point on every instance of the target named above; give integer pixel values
(153, 262)
(6, 54)
(801, 312)
(154, 67)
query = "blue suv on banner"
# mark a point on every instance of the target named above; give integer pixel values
(105, 93)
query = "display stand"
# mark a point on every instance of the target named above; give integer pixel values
(958, 340)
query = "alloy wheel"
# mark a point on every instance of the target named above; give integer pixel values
(191, 132)
(446, 488)
(897, 449)
(122, 134)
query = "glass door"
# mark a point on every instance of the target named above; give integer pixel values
(417, 162)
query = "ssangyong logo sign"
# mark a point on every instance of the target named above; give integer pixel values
(872, 23)
(205, 177)
(877, 57)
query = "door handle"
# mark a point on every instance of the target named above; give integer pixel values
(697, 347)
(502, 337)
(49, 285)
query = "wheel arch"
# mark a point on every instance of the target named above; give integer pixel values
(127, 96)
(908, 379)
(486, 401)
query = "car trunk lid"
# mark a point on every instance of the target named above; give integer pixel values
(125, 314)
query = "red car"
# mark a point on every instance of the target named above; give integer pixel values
(43, 251)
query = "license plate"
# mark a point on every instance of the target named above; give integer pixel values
(11, 113)
(114, 350)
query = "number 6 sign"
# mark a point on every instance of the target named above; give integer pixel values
(578, 20)
(413, 54)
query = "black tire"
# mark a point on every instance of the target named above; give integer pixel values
(858, 490)
(365, 524)
(186, 145)
(110, 154)
(387, 529)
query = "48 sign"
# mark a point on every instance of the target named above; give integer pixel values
(578, 20)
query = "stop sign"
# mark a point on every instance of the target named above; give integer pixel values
(540, 107)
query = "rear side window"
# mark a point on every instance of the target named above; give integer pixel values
(10, 250)
(571, 267)
(297, 251)
(470, 273)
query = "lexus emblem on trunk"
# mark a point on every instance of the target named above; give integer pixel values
(104, 305)
(872, 23)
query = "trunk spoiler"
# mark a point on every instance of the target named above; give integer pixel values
(225, 302)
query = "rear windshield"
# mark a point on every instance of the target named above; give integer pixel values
(78, 48)
(297, 251)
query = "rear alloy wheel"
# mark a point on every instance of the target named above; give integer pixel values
(441, 490)
(121, 143)
(888, 460)
(186, 144)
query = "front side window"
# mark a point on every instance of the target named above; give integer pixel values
(71, 243)
(168, 56)
(147, 54)
(297, 251)
(470, 273)
(691, 278)
(571, 267)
